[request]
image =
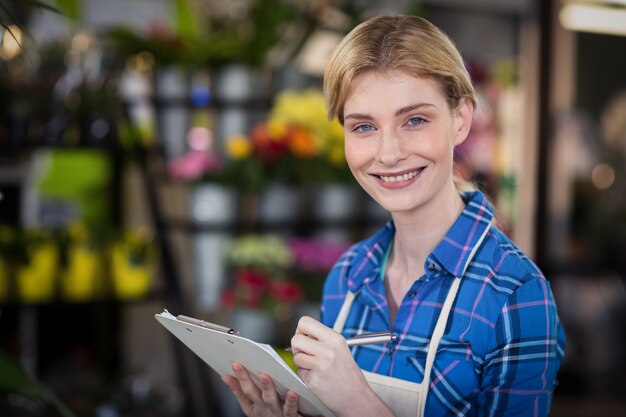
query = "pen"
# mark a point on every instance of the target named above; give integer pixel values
(206, 324)
(367, 339)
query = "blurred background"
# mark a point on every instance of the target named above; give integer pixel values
(175, 154)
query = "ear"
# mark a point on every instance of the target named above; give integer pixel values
(462, 119)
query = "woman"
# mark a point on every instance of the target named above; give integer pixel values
(477, 332)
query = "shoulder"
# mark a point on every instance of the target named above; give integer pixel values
(501, 262)
(500, 278)
(514, 300)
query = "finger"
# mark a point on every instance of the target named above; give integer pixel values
(304, 361)
(235, 387)
(312, 328)
(248, 386)
(307, 350)
(309, 326)
(269, 393)
(305, 343)
(290, 409)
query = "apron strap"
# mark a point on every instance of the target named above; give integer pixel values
(440, 327)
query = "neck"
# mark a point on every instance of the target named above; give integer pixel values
(419, 232)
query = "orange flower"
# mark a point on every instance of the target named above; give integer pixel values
(260, 135)
(302, 143)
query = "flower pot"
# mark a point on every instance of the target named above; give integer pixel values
(236, 89)
(209, 252)
(335, 209)
(171, 91)
(213, 204)
(82, 279)
(36, 280)
(279, 203)
(335, 203)
(131, 277)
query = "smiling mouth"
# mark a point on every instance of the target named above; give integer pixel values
(400, 178)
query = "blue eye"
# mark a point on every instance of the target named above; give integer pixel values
(416, 121)
(363, 128)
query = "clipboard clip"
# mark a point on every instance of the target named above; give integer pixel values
(206, 324)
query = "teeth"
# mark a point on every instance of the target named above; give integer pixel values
(399, 178)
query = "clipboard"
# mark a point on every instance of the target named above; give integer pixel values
(219, 347)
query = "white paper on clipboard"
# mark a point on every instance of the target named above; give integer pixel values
(220, 349)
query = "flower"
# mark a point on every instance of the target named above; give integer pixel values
(296, 143)
(315, 254)
(307, 110)
(260, 265)
(264, 253)
(313, 259)
(238, 147)
(194, 165)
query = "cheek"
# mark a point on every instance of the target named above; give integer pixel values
(436, 148)
(356, 153)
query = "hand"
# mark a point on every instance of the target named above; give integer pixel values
(263, 402)
(326, 365)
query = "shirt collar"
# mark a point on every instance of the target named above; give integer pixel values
(457, 248)
(453, 253)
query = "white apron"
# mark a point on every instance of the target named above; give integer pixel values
(405, 398)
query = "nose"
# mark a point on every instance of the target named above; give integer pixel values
(390, 150)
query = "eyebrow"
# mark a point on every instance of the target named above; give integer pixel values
(399, 112)
(410, 108)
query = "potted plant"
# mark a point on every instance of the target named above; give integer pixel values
(261, 292)
(313, 258)
(133, 263)
(297, 146)
(36, 263)
(82, 264)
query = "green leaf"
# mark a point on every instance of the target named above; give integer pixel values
(71, 8)
(14, 379)
(186, 22)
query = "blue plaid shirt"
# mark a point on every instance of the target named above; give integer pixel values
(503, 344)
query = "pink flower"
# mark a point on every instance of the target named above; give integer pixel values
(193, 165)
(315, 255)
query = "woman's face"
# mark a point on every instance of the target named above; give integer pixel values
(400, 136)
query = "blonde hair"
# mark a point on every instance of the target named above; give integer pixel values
(407, 43)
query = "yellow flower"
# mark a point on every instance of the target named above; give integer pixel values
(238, 147)
(307, 109)
(277, 129)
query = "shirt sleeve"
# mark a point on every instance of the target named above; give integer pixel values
(520, 366)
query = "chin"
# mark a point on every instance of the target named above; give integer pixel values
(398, 206)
